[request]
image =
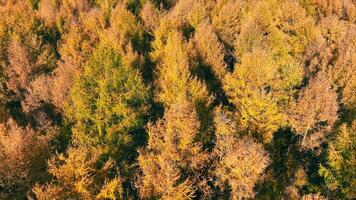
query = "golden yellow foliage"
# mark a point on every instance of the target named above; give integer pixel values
(175, 83)
(80, 174)
(210, 48)
(173, 152)
(150, 16)
(313, 197)
(248, 88)
(226, 19)
(229, 85)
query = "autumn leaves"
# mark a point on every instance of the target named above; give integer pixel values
(188, 99)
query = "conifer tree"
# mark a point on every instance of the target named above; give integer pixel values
(315, 112)
(240, 160)
(173, 157)
(80, 174)
(313, 197)
(175, 83)
(109, 101)
(340, 166)
(210, 49)
(249, 90)
(75, 86)
(23, 154)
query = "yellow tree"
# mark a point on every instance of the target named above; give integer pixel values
(226, 19)
(341, 162)
(313, 197)
(210, 48)
(248, 88)
(265, 74)
(81, 174)
(175, 83)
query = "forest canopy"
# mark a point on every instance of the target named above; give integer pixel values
(178, 99)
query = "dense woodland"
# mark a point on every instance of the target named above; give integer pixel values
(178, 99)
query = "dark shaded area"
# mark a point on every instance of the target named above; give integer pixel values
(214, 85)
(283, 153)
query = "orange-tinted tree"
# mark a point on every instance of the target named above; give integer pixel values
(315, 112)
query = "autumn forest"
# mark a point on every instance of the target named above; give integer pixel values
(177, 99)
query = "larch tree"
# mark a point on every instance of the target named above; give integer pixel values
(341, 162)
(210, 48)
(265, 75)
(81, 174)
(75, 49)
(200, 12)
(243, 102)
(248, 89)
(313, 197)
(125, 25)
(150, 16)
(315, 112)
(20, 69)
(175, 83)
(173, 157)
(23, 155)
(108, 101)
(226, 19)
(240, 160)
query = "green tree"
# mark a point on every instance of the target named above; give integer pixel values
(109, 101)
(340, 168)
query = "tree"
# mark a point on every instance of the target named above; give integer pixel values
(248, 88)
(125, 25)
(226, 19)
(200, 12)
(20, 69)
(108, 101)
(299, 30)
(80, 173)
(223, 82)
(265, 74)
(315, 112)
(313, 197)
(75, 49)
(150, 16)
(48, 10)
(173, 157)
(341, 162)
(175, 83)
(240, 160)
(23, 155)
(210, 49)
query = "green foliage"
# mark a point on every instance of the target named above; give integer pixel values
(109, 101)
(341, 162)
